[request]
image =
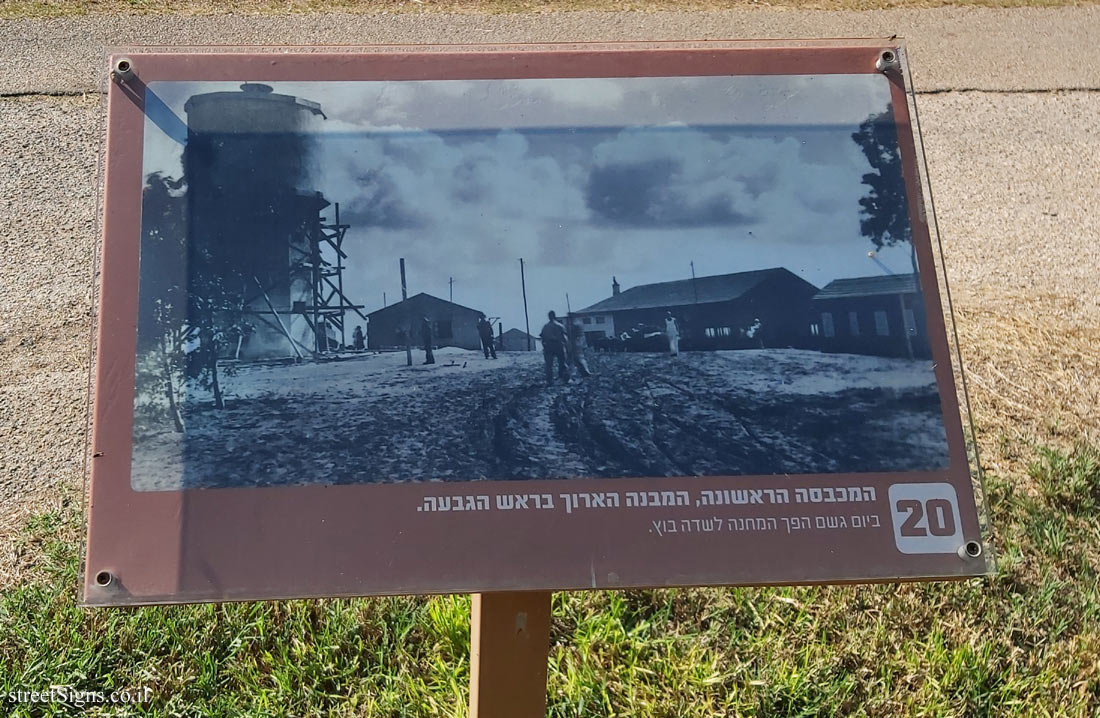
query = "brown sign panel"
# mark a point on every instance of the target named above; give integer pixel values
(421, 320)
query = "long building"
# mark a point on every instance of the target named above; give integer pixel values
(453, 325)
(881, 315)
(766, 307)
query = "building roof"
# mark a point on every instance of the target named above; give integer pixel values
(701, 290)
(514, 332)
(869, 286)
(422, 300)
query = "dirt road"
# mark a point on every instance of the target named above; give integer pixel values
(371, 419)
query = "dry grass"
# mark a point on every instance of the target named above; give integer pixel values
(61, 8)
(1034, 376)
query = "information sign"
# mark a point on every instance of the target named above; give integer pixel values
(474, 319)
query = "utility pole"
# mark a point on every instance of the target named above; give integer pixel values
(694, 288)
(451, 282)
(526, 319)
(408, 323)
(383, 300)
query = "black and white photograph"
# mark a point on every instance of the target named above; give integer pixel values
(456, 280)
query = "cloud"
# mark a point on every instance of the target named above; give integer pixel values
(652, 193)
(451, 203)
(676, 176)
(582, 206)
(378, 202)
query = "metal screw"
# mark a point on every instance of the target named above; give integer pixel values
(970, 549)
(887, 61)
(123, 69)
(103, 579)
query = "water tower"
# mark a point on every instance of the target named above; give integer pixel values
(258, 225)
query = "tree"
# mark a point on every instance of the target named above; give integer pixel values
(884, 210)
(163, 333)
(187, 310)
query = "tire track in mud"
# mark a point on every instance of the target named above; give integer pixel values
(804, 430)
(590, 427)
(621, 421)
(604, 430)
(705, 451)
(526, 441)
(781, 451)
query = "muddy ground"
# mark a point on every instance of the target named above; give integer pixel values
(372, 419)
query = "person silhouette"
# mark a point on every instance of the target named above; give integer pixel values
(426, 340)
(554, 338)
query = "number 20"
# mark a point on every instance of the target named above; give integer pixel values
(941, 519)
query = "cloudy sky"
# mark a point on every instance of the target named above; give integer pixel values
(582, 178)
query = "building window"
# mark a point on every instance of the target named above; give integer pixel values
(443, 329)
(827, 324)
(910, 321)
(882, 324)
(853, 323)
(815, 329)
(588, 320)
(599, 320)
(715, 332)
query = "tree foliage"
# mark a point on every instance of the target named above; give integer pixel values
(884, 210)
(187, 310)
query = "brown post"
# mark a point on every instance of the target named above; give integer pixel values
(509, 647)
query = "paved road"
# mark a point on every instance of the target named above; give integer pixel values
(1013, 162)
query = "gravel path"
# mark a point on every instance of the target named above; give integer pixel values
(1014, 171)
(952, 48)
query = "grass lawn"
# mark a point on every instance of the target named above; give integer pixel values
(1024, 642)
(60, 8)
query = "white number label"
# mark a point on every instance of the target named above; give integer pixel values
(926, 518)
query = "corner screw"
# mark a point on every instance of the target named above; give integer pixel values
(887, 61)
(970, 549)
(122, 69)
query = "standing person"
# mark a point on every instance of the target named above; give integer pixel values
(672, 331)
(756, 331)
(578, 346)
(357, 338)
(554, 338)
(485, 331)
(426, 339)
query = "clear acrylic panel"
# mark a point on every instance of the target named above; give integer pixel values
(449, 319)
